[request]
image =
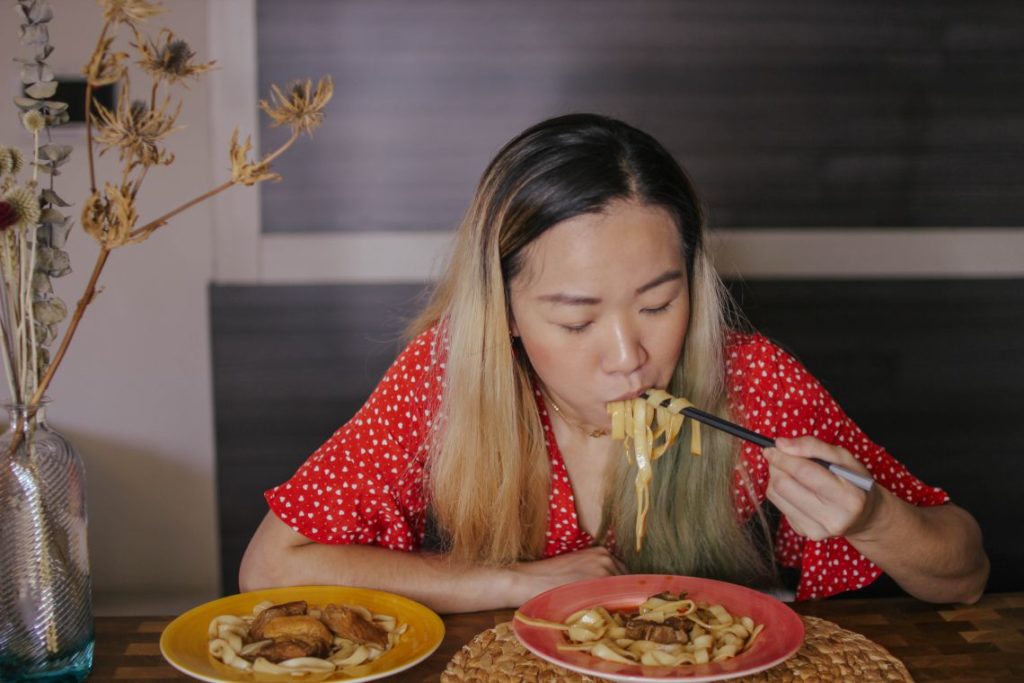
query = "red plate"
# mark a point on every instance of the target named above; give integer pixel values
(782, 636)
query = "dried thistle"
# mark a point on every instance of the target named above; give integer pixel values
(6, 161)
(17, 160)
(33, 121)
(129, 11)
(171, 61)
(110, 216)
(135, 130)
(25, 204)
(244, 171)
(105, 67)
(302, 110)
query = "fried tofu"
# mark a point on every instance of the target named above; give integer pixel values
(272, 612)
(300, 627)
(348, 623)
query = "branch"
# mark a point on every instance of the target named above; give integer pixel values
(146, 229)
(87, 296)
(88, 111)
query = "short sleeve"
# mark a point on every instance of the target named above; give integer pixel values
(774, 394)
(365, 484)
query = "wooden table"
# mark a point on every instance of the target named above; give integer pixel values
(982, 642)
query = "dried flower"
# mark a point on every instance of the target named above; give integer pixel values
(25, 204)
(105, 67)
(303, 108)
(6, 162)
(171, 61)
(33, 121)
(17, 160)
(8, 215)
(129, 11)
(136, 129)
(244, 171)
(110, 217)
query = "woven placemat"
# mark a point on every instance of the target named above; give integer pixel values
(829, 653)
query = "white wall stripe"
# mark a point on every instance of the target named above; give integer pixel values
(870, 253)
(378, 257)
(394, 257)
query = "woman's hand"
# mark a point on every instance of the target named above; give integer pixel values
(934, 553)
(817, 503)
(533, 578)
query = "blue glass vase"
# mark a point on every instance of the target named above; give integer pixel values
(46, 623)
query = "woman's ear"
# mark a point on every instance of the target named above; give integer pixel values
(513, 329)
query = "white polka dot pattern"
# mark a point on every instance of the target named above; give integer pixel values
(366, 483)
(772, 393)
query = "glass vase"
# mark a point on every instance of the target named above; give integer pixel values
(46, 624)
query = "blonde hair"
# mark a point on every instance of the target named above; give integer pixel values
(692, 527)
(488, 466)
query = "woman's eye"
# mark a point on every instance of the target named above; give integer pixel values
(575, 328)
(659, 309)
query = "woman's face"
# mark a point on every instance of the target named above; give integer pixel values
(601, 306)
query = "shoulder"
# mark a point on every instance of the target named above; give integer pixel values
(750, 357)
(771, 389)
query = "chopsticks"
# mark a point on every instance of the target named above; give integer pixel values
(860, 481)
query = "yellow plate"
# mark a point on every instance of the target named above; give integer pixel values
(184, 641)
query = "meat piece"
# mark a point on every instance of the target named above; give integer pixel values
(301, 627)
(673, 630)
(348, 623)
(285, 648)
(282, 610)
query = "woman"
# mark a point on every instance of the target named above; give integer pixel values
(580, 276)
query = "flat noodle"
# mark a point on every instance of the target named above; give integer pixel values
(647, 429)
(713, 636)
(228, 635)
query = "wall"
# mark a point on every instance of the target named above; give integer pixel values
(134, 391)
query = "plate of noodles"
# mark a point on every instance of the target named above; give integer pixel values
(304, 633)
(653, 627)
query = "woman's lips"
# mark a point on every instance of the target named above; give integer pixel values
(630, 395)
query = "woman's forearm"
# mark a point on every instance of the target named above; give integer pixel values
(934, 553)
(278, 556)
(430, 579)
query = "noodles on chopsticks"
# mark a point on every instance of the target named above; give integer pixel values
(647, 429)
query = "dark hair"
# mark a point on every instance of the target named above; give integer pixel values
(579, 163)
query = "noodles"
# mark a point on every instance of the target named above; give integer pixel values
(348, 636)
(647, 429)
(666, 630)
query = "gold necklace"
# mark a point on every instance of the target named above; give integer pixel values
(591, 432)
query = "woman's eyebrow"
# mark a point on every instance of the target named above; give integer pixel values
(667, 276)
(569, 299)
(580, 300)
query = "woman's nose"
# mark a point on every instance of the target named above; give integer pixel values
(624, 351)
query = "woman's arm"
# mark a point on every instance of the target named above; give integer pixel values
(279, 556)
(934, 553)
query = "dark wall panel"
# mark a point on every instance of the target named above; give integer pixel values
(290, 365)
(933, 370)
(789, 113)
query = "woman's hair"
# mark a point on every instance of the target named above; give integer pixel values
(489, 473)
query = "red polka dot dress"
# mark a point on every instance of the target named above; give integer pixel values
(366, 483)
